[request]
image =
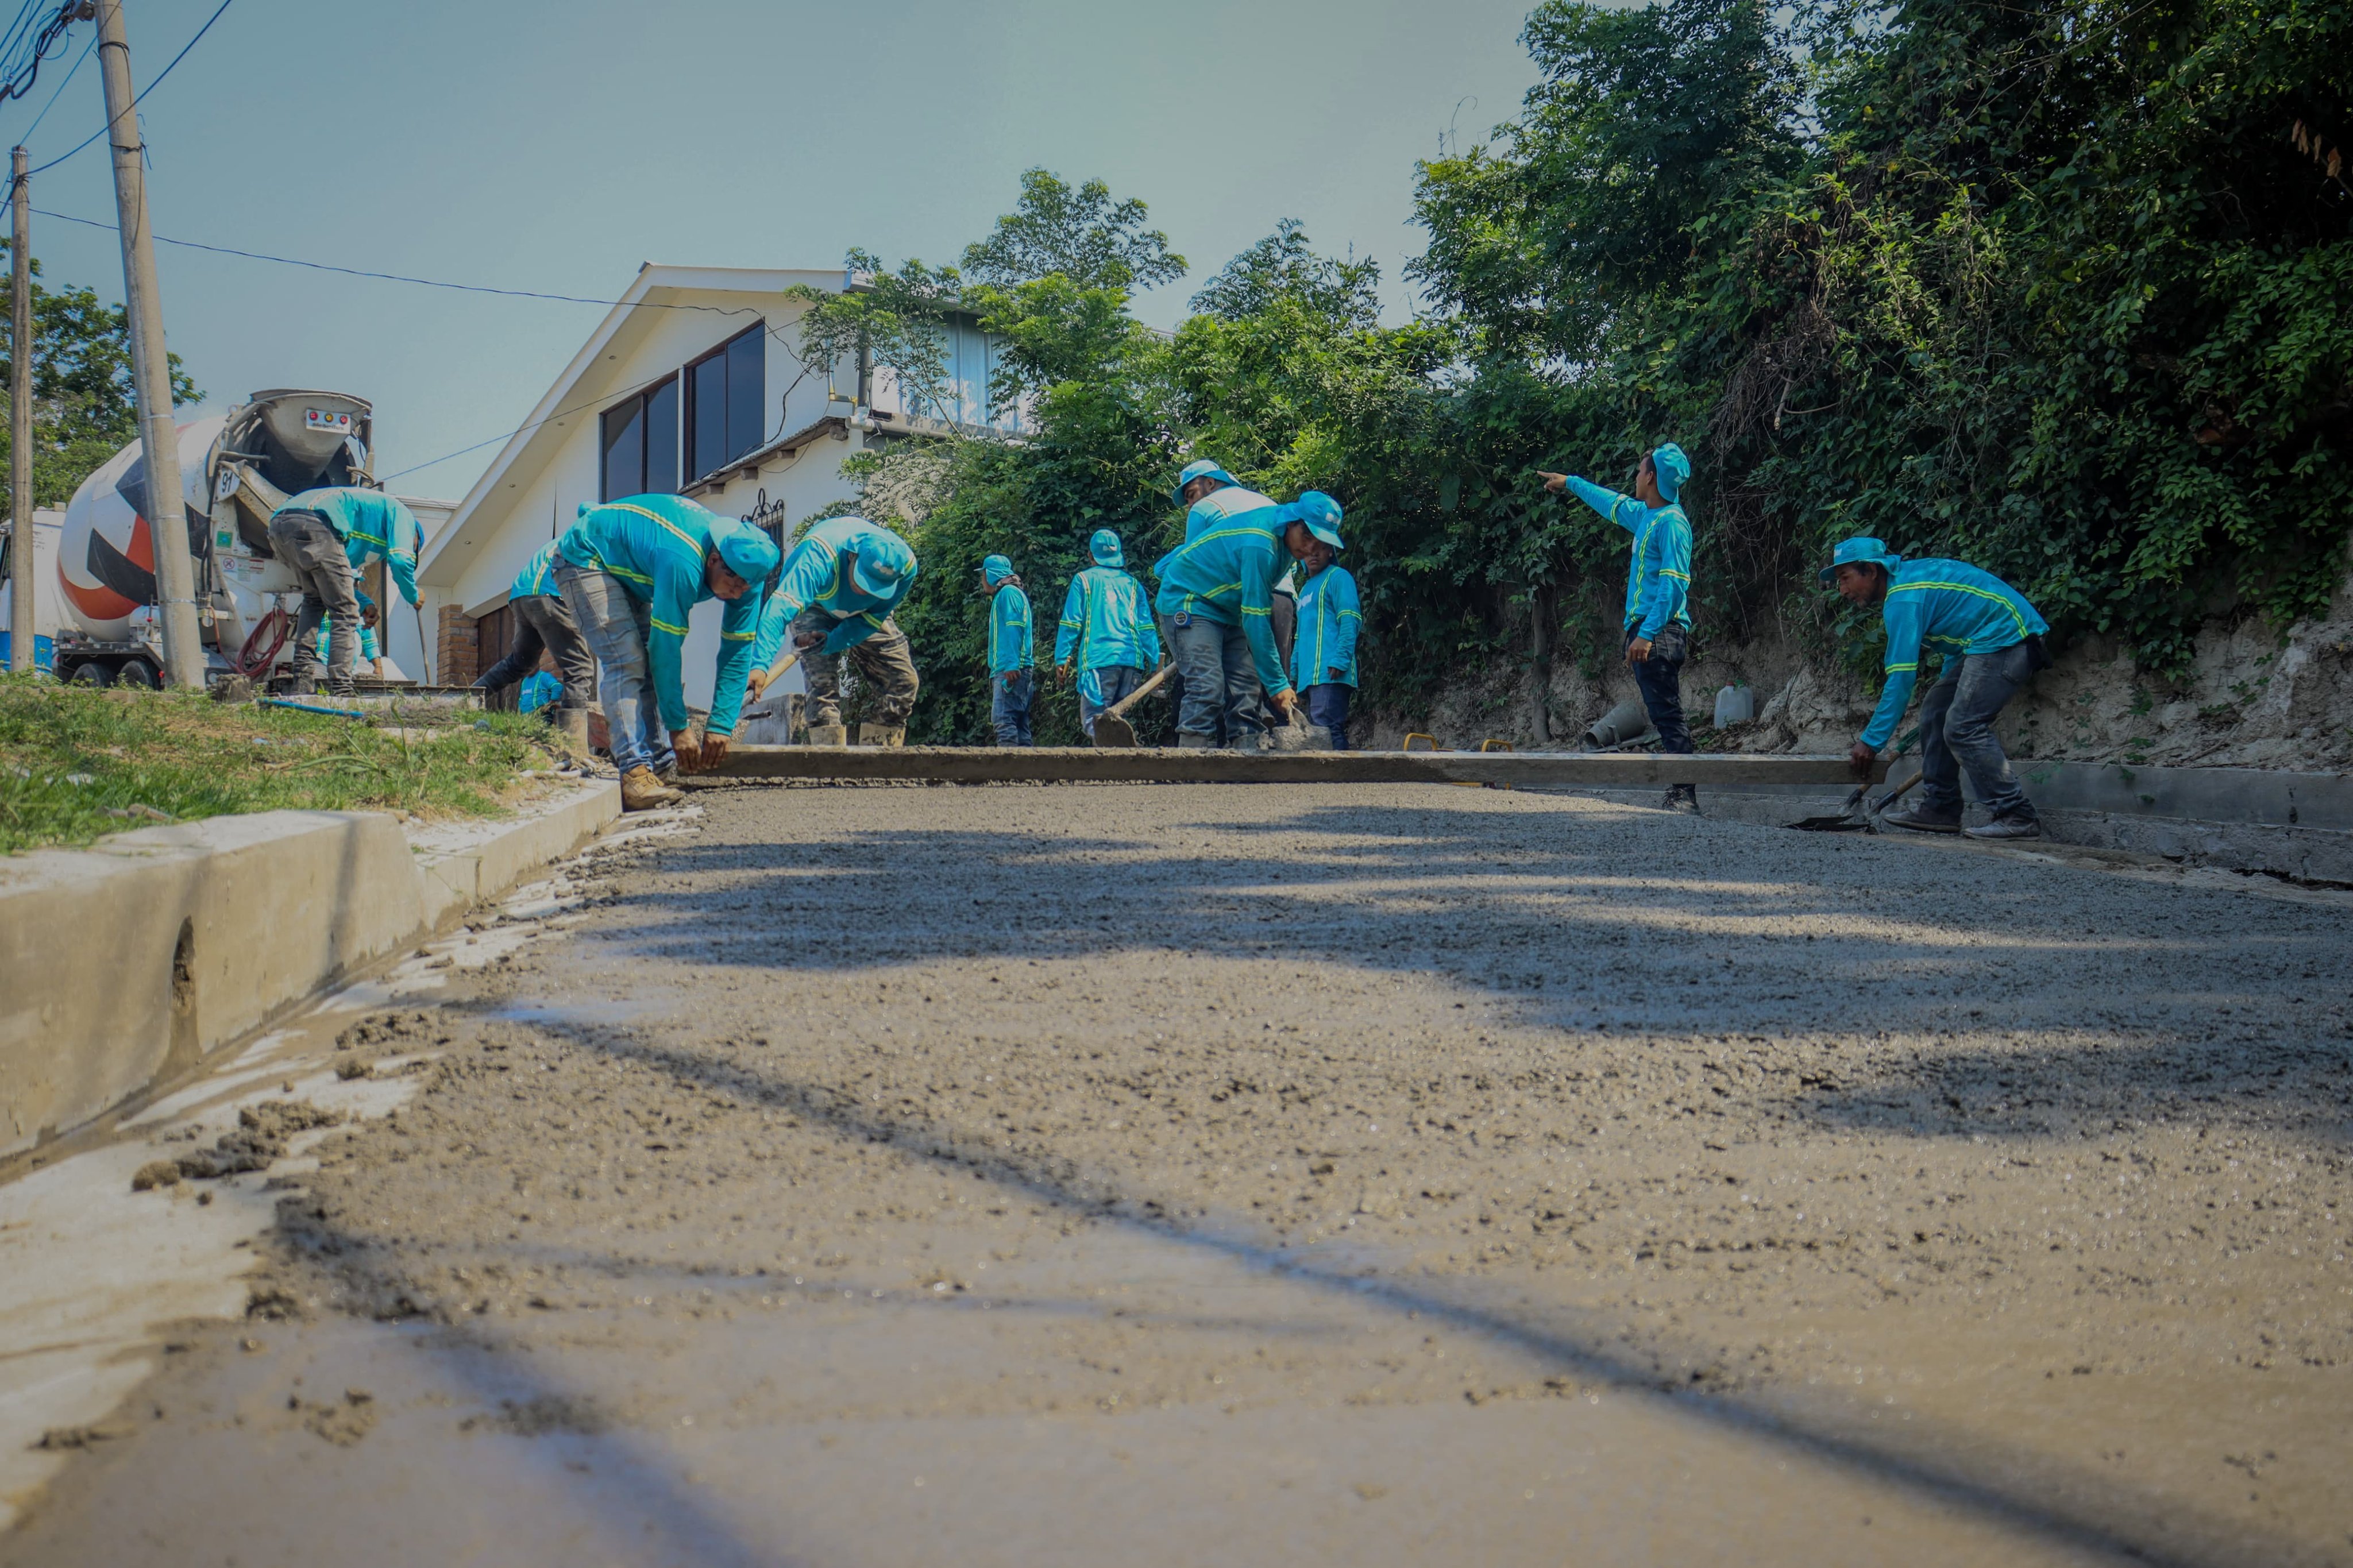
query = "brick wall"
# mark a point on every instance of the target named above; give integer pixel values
(457, 653)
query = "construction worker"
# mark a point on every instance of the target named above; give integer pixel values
(838, 587)
(1217, 590)
(1991, 640)
(1323, 663)
(370, 652)
(630, 571)
(543, 625)
(1012, 653)
(1106, 628)
(1658, 592)
(325, 536)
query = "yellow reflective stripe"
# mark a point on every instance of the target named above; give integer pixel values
(1678, 576)
(1350, 616)
(665, 627)
(625, 572)
(1252, 610)
(677, 532)
(737, 636)
(1968, 588)
(1900, 668)
(868, 617)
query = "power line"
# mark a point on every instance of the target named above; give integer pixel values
(44, 115)
(143, 95)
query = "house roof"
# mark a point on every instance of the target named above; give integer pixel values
(535, 442)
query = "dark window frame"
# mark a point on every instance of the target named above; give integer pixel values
(640, 404)
(741, 430)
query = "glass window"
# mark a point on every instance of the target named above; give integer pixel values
(640, 454)
(726, 401)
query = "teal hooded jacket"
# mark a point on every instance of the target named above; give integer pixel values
(1950, 607)
(654, 547)
(820, 574)
(1225, 572)
(538, 575)
(1105, 620)
(1329, 618)
(371, 524)
(1012, 640)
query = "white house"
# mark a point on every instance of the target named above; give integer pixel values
(689, 385)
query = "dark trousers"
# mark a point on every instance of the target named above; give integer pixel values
(1957, 733)
(304, 542)
(1008, 707)
(1223, 699)
(1328, 705)
(543, 624)
(1660, 679)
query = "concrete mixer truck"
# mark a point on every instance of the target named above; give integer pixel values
(236, 469)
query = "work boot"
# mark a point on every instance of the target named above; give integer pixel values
(640, 791)
(1682, 797)
(2017, 824)
(1923, 819)
(882, 734)
(829, 734)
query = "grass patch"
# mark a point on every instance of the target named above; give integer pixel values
(77, 763)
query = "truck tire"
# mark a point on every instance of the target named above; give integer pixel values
(93, 673)
(138, 672)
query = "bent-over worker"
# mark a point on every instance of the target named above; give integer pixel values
(325, 536)
(1658, 592)
(1107, 629)
(1012, 653)
(838, 587)
(631, 571)
(366, 661)
(543, 625)
(1991, 640)
(1217, 590)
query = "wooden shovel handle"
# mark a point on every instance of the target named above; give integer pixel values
(1159, 677)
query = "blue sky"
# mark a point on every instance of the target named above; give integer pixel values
(555, 147)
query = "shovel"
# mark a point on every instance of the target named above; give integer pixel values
(776, 673)
(1112, 727)
(1854, 817)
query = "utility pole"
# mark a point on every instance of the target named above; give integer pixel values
(150, 367)
(21, 590)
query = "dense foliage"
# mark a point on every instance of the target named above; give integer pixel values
(2063, 289)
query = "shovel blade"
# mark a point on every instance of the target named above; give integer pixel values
(1113, 731)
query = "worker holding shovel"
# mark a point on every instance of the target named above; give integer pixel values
(1012, 653)
(1106, 628)
(835, 598)
(1658, 592)
(1991, 640)
(631, 571)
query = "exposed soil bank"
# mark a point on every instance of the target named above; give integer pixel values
(1195, 1173)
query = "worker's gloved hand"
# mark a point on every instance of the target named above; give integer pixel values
(1860, 758)
(689, 752)
(1637, 650)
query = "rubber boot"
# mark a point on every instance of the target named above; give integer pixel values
(640, 791)
(828, 735)
(882, 734)
(1682, 797)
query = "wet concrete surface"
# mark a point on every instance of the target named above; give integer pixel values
(1256, 1175)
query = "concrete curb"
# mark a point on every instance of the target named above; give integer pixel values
(127, 964)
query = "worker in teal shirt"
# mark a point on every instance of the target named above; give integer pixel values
(1991, 641)
(1217, 591)
(1323, 656)
(543, 625)
(326, 536)
(1658, 592)
(1012, 653)
(1106, 627)
(834, 599)
(370, 651)
(631, 571)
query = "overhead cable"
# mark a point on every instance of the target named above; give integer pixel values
(138, 101)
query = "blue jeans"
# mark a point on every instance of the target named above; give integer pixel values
(1957, 733)
(1660, 679)
(1117, 680)
(1328, 705)
(615, 623)
(1221, 690)
(1008, 707)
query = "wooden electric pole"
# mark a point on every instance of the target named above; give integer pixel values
(21, 590)
(150, 367)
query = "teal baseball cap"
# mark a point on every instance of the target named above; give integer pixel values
(995, 569)
(1104, 548)
(1200, 469)
(749, 553)
(1861, 551)
(1321, 515)
(881, 564)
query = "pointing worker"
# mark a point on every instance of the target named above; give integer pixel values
(1107, 629)
(1012, 653)
(1991, 640)
(835, 598)
(1658, 592)
(631, 571)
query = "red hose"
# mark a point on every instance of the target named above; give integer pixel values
(276, 621)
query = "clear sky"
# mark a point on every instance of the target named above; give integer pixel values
(555, 147)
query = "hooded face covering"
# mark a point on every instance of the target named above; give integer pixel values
(1104, 547)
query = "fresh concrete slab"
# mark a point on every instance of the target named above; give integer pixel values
(1087, 764)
